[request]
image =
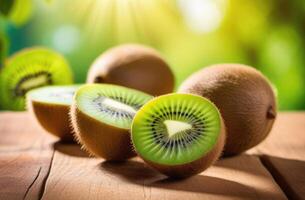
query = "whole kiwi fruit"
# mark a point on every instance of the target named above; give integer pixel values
(179, 135)
(51, 106)
(101, 116)
(134, 66)
(245, 99)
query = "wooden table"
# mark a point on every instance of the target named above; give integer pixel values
(33, 165)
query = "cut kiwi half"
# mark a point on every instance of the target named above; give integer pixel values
(178, 134)
(16, 11)
(51, 105)
(101, 117)
(29, 69)
(3, 48)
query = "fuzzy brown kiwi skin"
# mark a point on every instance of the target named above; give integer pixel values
(245, 99)
(133, 66)
(197, 166)
(100, 139)
(54, 118)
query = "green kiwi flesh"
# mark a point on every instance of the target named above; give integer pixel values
(29, 69)
(134, 66)
(101, 117)
(178, 134)
(3, 48)
(245, 99)
(51, 105)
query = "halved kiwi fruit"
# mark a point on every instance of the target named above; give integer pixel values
(134, 66)
(17, 11)
(178, 134)
(51, 105)
(245, 99)
(102, 115)
(3, 48)
(29, 69)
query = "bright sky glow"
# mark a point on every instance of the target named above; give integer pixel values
(66, 38)
(202, 16)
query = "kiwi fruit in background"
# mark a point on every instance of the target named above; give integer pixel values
(134, 66)
(16, 11)
(3, 48)
(179, 135)
(51, 106)
(28, 69)
(101, 116)
(245, 99)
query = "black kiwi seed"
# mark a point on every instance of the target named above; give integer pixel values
(182, 135)
(28, 69)
(102, 115)
(19, 91)
(115, 112)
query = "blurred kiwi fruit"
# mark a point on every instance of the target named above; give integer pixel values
(101, 116)
(180, 135)
(28, 69)
(51, 106)
(16, 11)
(245, 99)
(3, 48)
(134, 66)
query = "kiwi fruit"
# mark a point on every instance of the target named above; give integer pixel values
(29, 69)
(3, 48)
(180, 135)
(245, 99)
(101, 116)
(134, 66)
(16, 11)
(51, 105)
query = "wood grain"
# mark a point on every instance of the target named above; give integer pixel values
(289, 174)
(26, 154)
(76, 176)
(283, 153)
(287, 138)
(25, 157)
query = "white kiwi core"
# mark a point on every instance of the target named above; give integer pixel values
(110, 104)
(34, 82)
(62, 95)
(173, 127)
(118, 105)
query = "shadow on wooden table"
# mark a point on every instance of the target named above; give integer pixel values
(288, 173)
(138, 173)
(70, 149)
(231, 163)
(241, 176)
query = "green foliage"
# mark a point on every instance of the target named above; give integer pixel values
(282, 59)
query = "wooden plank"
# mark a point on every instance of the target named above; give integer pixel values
(289, 174)
(16, 132)
(283, 153)
(287, 138)
(25, 157)
(75, 176)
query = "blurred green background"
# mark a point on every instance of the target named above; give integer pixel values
(191, 34)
